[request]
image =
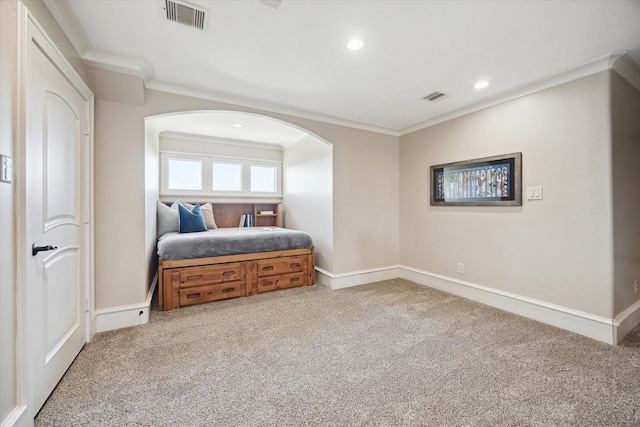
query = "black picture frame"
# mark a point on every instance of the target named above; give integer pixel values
(488, 181)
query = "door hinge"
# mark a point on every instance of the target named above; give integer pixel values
(87, 128)
(87, 305)
(86, 217)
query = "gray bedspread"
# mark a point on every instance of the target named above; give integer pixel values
(230, 241)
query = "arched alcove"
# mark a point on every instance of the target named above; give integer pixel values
(307, 164)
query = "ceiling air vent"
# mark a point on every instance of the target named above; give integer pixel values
(186, 13)
(433, 96)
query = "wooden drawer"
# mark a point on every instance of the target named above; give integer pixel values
(291, 280)
(200, 294)
(195, 276)
(279, 266)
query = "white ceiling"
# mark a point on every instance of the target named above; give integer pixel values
(294, 59)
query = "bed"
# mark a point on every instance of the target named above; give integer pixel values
(230, 262)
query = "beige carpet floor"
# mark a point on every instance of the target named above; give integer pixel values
(385, 354)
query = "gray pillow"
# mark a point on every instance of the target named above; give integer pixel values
(168, 219)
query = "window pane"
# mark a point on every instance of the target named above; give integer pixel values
(185, 174)
(227, 177)
(263, 179)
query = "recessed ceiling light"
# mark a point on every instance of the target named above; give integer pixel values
(481, 84)
(355, 43)
(238, 125)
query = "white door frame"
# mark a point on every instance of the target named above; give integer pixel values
(23, 376)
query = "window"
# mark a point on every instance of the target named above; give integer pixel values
(184, 174)
(263, 179)
(227, 176)
(192, 174)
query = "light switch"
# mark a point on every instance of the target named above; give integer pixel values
(6, 173)
(534, 193)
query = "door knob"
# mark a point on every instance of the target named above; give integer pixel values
(35, 249)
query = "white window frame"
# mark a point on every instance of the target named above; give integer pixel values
(207, 176)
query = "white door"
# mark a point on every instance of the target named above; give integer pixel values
(56, 191)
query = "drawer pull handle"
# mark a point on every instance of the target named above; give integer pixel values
(295, 265)
(228, 273)
(196, 295)
(294, 279)
(194, 277)
(267, 268)
(227, 290)
(268, 283)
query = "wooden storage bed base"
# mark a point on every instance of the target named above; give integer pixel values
(196, 281)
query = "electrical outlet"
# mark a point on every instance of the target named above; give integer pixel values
(460, 268)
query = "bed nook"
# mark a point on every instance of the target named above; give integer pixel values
(214, 251)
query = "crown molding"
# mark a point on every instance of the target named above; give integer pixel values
(72, 28)
(132, 66)
(618, 61)
(69, 23)
(628, 69)
(587, 69)
(258, 104)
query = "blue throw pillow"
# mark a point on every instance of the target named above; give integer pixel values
(191, 221)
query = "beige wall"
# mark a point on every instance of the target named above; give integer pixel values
(308, 194)
(365, 183)
(559, 249)
(365, 201)
(120, 265)
(8, 301)
(625, 113)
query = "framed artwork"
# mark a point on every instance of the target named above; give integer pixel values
(490, 181)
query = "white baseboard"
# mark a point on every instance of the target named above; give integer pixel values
(626, 321)
(355, 278)
(18, 417)
(124, 316)
(610, 331)
(596, 327)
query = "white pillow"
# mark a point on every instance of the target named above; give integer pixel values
(168, 219)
